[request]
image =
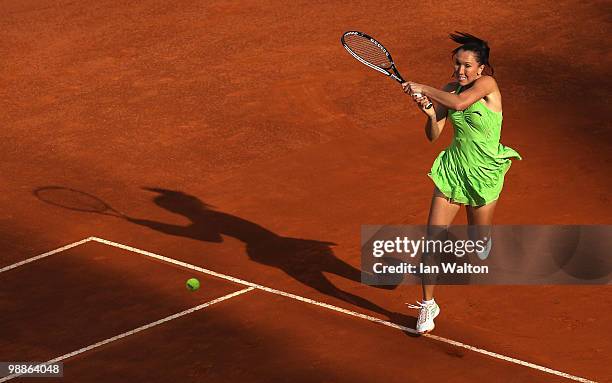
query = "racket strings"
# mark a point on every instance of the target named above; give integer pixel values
(367, 50)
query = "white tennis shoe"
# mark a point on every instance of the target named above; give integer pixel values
(427, 314)
(482, 255)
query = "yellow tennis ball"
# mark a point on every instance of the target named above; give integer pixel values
(192, 284)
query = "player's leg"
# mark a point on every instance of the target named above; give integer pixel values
(481, 215)
(480, 219)
(442, 212)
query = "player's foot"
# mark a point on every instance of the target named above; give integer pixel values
(427, 313)
(482, 255)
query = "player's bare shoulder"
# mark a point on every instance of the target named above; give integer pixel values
(492, 99)
(488, 82)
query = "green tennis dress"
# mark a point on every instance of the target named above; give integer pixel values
(471, 170)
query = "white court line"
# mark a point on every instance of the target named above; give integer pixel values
(313, 302)
(344, 311)
(139, 329)
(48, 253)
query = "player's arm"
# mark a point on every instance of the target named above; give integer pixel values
(481, 88)
(436, 116)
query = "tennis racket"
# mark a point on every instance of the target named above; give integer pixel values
(373, 54)
(75, 200)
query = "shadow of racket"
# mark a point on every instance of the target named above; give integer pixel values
(76, 200)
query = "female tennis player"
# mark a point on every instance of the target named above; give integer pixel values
(471, 170)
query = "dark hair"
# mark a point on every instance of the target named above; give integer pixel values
(471, 43)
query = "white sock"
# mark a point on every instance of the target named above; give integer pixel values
(429, 302)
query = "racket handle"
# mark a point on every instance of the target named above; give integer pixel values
(428, 106)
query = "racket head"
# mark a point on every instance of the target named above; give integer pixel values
(370, 52)
(76, 200)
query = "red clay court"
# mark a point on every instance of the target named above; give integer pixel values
(248, 148)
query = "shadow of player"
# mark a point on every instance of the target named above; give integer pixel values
(302, 259)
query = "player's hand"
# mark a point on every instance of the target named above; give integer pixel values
(413, 87)
(409, 87)
(406, 87)
(422, 102)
